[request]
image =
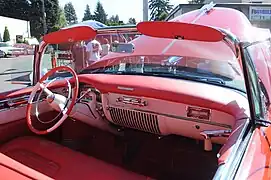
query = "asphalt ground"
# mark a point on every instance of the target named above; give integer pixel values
(15, 71)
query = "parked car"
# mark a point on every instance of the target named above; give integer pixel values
(27, 49)
(2, 54)
(10, 50)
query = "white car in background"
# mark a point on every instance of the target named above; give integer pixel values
(10, 50)
(2, 54)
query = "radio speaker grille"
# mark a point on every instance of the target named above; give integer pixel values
(134, 119)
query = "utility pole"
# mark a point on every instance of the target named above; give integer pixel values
(145, 10)
(43, 17)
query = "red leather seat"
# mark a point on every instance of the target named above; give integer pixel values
(35, 158)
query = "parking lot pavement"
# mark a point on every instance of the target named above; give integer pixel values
(21, 63)
(15, 71)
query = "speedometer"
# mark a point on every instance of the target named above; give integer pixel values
(65, 92)
(87, 94)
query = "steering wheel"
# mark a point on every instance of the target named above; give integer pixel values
(57, 101)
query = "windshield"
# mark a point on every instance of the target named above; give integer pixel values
(221, 73)
(212, 63)
(80, 55)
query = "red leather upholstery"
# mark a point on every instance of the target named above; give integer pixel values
(35, 158)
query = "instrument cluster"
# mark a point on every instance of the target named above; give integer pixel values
(86, 94)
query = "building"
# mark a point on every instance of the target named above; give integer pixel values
(16, 27)
(145, 10)
(16, 19)
(259, 14)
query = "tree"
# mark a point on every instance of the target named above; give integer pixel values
(132, 21)
(70, 13)
(157, 7)
(6, 36)
(162, 16)
(52, 14)
(52, 11)
(99, 14)
(114, 21)
(36, 18)
(197, 2)
(62, 19)
(18, 9)
(87, 14)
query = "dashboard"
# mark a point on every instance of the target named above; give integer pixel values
(160, 106)
(149, 114)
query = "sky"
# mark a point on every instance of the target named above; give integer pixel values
(124, 8)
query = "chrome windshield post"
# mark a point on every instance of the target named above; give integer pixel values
(231, 40)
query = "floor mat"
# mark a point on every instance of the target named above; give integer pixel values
(172, 157)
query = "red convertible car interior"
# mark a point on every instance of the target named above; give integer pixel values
(181, 101)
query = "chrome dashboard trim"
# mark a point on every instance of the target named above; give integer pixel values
(16, 107)
(125, 88)
(131, 100)
(185, 118)
(12, 102)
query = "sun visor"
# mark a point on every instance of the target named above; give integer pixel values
(70, 35)
(179, 30)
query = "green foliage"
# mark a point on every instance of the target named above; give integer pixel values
(17, 9)
(132, 21)
(6, 36)
(56, 17)
(163, 16)
(99, 14)
(36, 18)
(197, 2)
(114, 21)
(52, 14)
(158, 7)
(87, 14)
(62, 19)
(25, 41)
(70, 13)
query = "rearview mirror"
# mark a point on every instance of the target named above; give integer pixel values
(123, 47)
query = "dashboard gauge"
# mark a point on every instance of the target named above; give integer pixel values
(65, 92)
(87, 92)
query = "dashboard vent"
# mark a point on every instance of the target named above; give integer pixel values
(135, 119)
